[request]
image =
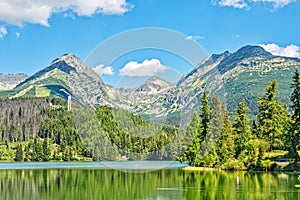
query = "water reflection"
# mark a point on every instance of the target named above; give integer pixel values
(163, 184)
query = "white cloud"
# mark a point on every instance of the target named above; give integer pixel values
(18, 12)
(102, 70)
(276, 3)
(234, 3)
(194, 37)
(146, 68)
(244, 4)
(288, 51)
(3, 32)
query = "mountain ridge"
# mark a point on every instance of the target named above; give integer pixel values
(9, 81)
(232, 76)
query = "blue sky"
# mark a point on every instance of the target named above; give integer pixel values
(35, 32)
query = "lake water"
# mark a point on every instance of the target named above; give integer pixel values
(139, 180)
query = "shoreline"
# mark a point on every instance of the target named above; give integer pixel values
(207, 169)
(190, 168)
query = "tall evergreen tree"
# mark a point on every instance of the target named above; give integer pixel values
(218, 113)
(191, 131)
(225, 144)
(187, 143)
(294, 133)
(28, 154)
(19, 154)
(193, 155)
(272, 117)
(254, 129)
(37, 150)
(241, 127)
(46, 150)
(205, 116)
(209, 145)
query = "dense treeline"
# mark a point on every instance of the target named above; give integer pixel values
(38, 129)
(242, 144)
(137, 138)
(57, 139)
(20, 119)
(102, 134)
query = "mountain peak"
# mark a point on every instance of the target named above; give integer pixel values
(67, 57)
(156, 78)
(246, 52)
(253, 51)
(153, 84)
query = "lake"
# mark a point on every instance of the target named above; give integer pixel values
(139, 180)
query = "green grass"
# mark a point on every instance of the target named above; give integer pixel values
(42, 91)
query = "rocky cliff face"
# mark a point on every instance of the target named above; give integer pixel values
(9, 81)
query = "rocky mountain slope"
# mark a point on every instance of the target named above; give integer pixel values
(233, 76)
(69, 73)
(9, 81)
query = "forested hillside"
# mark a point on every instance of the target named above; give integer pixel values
(42, 129)
(20, 119)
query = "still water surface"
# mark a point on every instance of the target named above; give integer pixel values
(116, 181)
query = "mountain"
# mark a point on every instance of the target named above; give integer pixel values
(243, 75)
(232, 76)
(9, 81)
(147, 98)
(69, 73)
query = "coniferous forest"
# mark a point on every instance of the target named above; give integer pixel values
(42, 129)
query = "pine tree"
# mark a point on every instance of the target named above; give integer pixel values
(225, 144)
(241, 127)
(217, 119)
(294, 133)
(218, 112)
(191, 131)
(192, 155)
(19, 154)
(188, 145)
(205, 116)
(254, 129)
(46, 150)
(37, 150)
(28, 154)
(272, 117)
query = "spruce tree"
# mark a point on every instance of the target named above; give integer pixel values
(272, 117)
(225, 144)
(241, 127)
(294, 133)
(192, 155)
(254, 129)
(217, 119)
(46, 150)
(205, 116)
(218, 113)
(37, 150)
(190, 132)
(19, 154)
(28, 154)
